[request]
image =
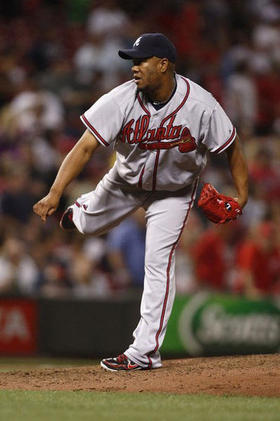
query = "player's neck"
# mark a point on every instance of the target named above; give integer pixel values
(163, 93)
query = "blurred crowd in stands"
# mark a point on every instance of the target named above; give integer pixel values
(56, 59)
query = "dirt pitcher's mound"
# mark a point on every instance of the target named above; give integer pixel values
(252, 375)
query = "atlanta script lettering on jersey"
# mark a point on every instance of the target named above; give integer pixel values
(138, 132)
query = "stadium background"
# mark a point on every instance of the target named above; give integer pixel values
(56, 59)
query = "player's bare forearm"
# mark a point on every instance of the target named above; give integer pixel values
(239, 171)
(74, 162)
(71, 166)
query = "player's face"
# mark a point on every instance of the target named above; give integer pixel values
(146, 73)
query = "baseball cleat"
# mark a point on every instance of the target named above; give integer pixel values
(66, 221)
(120, 363)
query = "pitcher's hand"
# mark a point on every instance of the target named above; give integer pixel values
(46, 206)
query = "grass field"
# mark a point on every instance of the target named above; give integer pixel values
(16, 363)
(102, 406)
(80, 405)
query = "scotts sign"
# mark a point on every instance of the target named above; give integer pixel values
(18, 327)
(206, 324)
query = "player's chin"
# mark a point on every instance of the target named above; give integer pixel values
(140, 84)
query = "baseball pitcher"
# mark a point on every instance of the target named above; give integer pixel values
(161, 125)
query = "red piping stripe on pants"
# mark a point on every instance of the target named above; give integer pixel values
(168, 275)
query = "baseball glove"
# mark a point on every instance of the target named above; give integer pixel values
(217, 207)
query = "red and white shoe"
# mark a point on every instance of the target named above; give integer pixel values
(120, 363)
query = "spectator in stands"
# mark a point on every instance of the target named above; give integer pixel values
(185, 275)
(17, 197)
(241, 100)
(33, 109)
(108, 26)
(266, 33)
(268, 87)
(213, 256)
(87, 58)
(126, 251)
(19, 273)
(107, 19)
(258, 262)
(86, 268)
(40, 44)
(256, 208)
(265, 174)
(45, 156)
(56, 278)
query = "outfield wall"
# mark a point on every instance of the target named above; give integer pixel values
(202, 324)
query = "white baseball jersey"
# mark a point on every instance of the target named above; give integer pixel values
(160, 154)
(161, 149)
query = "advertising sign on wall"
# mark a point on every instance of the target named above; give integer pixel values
(207, 324)
(18, 327)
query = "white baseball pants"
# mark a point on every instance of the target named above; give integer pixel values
(166, 214)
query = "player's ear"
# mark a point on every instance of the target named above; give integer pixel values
(164, 65)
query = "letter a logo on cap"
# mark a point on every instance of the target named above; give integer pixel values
(137, 42)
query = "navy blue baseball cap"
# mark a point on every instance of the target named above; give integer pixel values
(150, 45)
